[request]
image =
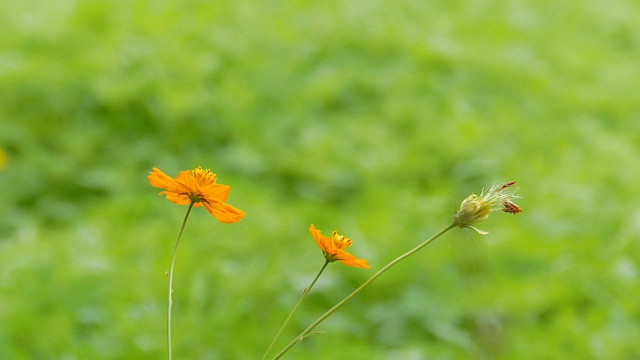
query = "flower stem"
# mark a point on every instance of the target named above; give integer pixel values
(173, 260)
(306, 332)
(286, 322)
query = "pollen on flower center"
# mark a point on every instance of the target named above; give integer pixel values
(341, 241)
(204, 177)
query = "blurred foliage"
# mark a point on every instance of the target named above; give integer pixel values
(361, 116)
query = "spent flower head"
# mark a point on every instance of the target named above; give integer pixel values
(197, 187)
(333, 248)
(476, 208)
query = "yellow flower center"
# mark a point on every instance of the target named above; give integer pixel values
(203, 177)
(341, 241)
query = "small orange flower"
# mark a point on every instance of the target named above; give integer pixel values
(198, 187)
(333, 248)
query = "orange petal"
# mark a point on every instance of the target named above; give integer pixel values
(351, 260)
(225, 213)
(359, 263)
(317, 236)
(160, 180)
(323, 242)
(180, 199)
(187, 183)
(215, 192)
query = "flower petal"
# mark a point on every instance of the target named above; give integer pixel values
(225, 213)
(160, 180)
(351, 260)
(180, 199)
(187, 183)
(215, 192)
(318, 238)
(481, 232)
(323, 242)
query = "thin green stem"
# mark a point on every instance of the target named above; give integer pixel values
(306, 332)
(173, 260)
(286, 322)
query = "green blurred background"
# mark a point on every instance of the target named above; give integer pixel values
(368, 117)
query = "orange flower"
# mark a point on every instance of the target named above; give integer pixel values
(198, 187)
(333, 248)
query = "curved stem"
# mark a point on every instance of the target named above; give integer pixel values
(306, 332)
(173, 260)
(286, 322)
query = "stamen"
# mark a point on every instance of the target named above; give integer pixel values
(204, 176)
(509, 207)
(509, 184)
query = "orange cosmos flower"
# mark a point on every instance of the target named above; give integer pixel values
(198, 187)
(333, 248)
